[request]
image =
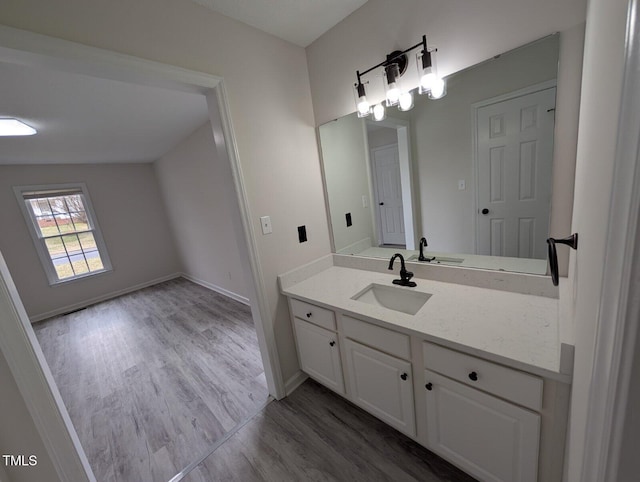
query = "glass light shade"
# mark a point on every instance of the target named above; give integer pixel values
(438, 89)
(362, 104)
(428, 74)
(379, 112)
(14, 127)
(392, 84)
(406, 101)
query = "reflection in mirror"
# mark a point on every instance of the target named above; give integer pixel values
(471, 172)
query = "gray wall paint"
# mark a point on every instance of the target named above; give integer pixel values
(131, 215)
(194, 186)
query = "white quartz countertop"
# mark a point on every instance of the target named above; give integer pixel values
(512, 328)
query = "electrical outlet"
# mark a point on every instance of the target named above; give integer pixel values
(365, 201)
(302, 233)
(462, 185)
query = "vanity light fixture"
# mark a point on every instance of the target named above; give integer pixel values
(13, 127)
(394, 66)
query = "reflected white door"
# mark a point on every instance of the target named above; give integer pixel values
(386, 165)
(515, 157)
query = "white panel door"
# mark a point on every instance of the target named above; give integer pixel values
(386, 165)
(491, 439)
(319, 354)
(382, 385)
(515, 157)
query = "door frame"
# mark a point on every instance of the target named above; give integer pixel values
(18, 343)
(475, 107)
(406, 178)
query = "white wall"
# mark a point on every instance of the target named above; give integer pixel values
(603, 71)
(195, 191)
(131, 215)
(346, 173)
(19, 435)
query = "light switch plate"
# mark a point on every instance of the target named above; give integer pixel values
(365, 201)
(462, 185)
(265, 222)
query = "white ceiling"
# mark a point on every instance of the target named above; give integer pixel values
(297, 21)
(83, 119)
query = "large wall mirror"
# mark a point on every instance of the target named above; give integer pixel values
(470, 172)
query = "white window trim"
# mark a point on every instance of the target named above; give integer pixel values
(43, 254)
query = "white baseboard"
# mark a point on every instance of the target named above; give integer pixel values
(222, 291)
(294, 382)
(98, 299)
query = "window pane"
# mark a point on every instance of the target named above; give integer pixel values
(95, 263)
(63, 268)
(58, 205)
(79, 264)
(40, 206)
(80, 221)
(47, 226)
(87, 241)
(74, 203)
(72, 244)
(55, 247)
(64, 223)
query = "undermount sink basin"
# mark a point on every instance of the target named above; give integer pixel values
(392, 298)
(437, 260)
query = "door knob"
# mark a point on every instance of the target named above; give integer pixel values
(331, 343)
(429, 386)
(404, 376)
(381, 204)
(485, 211)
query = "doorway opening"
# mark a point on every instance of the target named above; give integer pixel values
(190, 308)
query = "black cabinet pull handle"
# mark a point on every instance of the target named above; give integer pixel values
(553, 255)
(309, 315)
(331, 343)
(404, 376)
(473, 376)
(429, 386)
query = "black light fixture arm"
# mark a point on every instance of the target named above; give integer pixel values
(393, 57)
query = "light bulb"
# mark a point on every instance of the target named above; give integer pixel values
(405, 101)
(363, 106)
(393, 93)
(437, 88)
(378, 112)
(427, 81)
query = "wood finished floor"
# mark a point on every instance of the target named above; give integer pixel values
(153, 378)
(315, 435)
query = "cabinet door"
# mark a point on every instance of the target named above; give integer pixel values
(381, 384)
(319, 354)
(491, 439)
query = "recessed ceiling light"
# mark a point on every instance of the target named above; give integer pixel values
(13, 127)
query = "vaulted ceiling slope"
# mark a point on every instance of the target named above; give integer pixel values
(83, 119)
(297, 21)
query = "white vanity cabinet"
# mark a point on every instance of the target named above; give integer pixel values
(318, 348)
(492, 438)
(494, 421)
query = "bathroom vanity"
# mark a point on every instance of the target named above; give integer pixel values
(481, 376)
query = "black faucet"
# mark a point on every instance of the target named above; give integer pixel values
(423, 242)
(405, 276)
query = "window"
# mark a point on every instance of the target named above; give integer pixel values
(65, 231)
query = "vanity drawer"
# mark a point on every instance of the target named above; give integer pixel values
(514, 385)
(314, 314)
(375, 336)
